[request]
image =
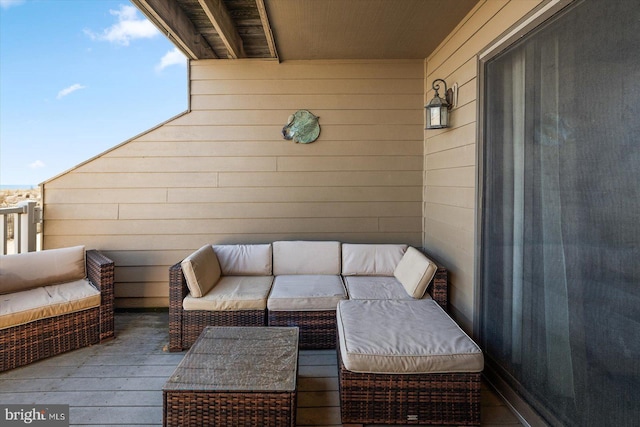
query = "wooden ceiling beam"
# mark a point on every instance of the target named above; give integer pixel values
(266, 26)
(172, 21)
(225, 27)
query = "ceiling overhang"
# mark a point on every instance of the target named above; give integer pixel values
(306, 29)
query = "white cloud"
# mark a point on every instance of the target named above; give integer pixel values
(6, 4)
(129, 27)
(173, 57)
(66, 91)
(38, 164)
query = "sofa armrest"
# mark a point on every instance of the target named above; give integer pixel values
(100, 271)
(439, 289)
(178, 290)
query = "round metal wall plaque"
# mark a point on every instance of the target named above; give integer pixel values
(302, 127)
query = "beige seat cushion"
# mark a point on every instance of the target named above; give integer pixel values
(306, 257)
(404, 337)
(306, 293)
(43, 302)
(233, 293)
(201, 270)
(20, 272)
(415, 272)
(376, 287)
(371, 259)
(245, 260)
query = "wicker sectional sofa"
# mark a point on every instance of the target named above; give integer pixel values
(53, 301)
(291, 283)
(402, 359)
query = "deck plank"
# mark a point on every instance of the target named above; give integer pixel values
(119, 383)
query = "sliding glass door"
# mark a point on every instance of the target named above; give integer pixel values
(560, 246)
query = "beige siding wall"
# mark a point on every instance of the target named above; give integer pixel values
(450, 154)
(223, 174)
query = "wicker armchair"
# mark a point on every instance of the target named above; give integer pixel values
(39, 339)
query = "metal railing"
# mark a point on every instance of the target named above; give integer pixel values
(20, 225)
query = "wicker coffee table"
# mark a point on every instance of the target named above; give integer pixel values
(235, 376)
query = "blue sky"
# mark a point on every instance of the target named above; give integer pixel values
(78, 77)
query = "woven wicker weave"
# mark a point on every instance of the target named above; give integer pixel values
(317, 328)
(440, 399)
(191, 409)
(439, 288)
(186, 325)
(24, 344)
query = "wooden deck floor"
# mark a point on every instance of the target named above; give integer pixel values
(119, 383)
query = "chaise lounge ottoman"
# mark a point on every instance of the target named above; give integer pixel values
(406, 362)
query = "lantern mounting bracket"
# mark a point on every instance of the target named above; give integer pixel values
(437, 111)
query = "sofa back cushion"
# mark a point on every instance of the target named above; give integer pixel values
(306, 257)
(245, 260)
(415, 272)
(201, 270)
(371, 260)
(21, 272)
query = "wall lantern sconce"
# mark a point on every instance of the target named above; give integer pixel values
(437, 111)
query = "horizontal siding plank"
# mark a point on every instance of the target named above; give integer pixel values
(141, 274)
(146, 289)
(355, 86)
(178, 134)
(453, 158)
(465, 115)
(347, 163)
(91, 196)
(468, 92)
(99, 176)
(369, 147)
(322, 179)
(302, 194)
(456, 137)
(266, 210)
(401, 224)
(464, 74)
(81, 211)
(199, 227)
(453, 177)
(455, 216)
(452, 196)
(279, 116)
(150, 165)
(291, 70)
(310, 102)
(461, 240)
